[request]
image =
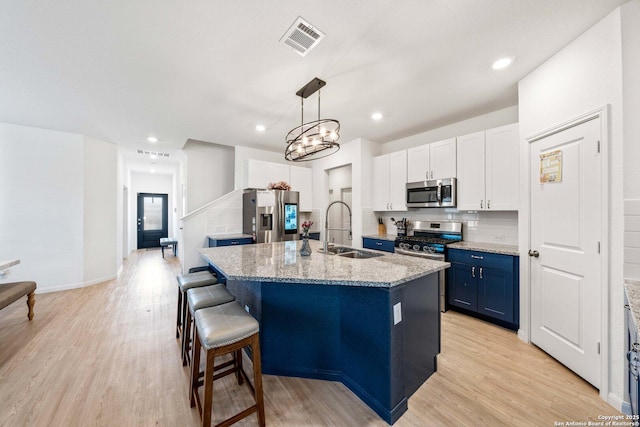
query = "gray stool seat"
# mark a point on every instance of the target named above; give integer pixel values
(224, 324)
(208, 296)
(199, 298)
(195, 280)
(186, 282)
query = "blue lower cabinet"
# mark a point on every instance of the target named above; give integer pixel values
(486, 284)
(229, 242)
(378, 244)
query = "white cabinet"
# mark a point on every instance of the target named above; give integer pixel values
(488, 170)
(389, 181)
(301, 180)
(432, 161)
(258, 173)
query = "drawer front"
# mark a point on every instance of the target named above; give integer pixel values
(481, 258)
(229, 242)
(378, 244)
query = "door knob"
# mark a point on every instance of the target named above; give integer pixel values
(534, 253)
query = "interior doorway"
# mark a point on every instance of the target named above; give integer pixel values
(153, 222)
(340, 190)
(125, 222)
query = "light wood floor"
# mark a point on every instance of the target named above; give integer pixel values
(106, 355)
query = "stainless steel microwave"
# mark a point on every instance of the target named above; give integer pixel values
(436, 193)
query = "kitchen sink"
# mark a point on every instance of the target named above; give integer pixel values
(349, 252)
(336, 250)
(359, 254)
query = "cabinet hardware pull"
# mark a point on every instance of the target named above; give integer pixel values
(379, 243)
(488, 204)
(473, 272)
(431, 174)
(480, 204)
(477, 257)
(481, 272)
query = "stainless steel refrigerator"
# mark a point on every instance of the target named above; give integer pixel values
(270, 215)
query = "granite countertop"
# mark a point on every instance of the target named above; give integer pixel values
(391, 237)
(281, 262)
(224, 236)
(7, 264)
(633, 294)
(495, 248)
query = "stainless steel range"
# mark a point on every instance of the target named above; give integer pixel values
(429, 240)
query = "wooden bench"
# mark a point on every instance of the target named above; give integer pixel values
(11, 292)
(169, 241)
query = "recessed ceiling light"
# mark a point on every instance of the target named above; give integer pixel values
(153, 170)
(261, 128)
(502, 63)
(377, 116)
(152, 139)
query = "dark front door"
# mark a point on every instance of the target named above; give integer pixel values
(152, 219)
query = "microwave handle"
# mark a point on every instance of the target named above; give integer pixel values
(439, 193)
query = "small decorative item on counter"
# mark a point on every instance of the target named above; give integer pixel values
(306, 226)
(305, 249)
(280, 185)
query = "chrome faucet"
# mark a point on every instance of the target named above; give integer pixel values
(325, 245)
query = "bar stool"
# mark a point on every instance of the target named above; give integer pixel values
(198, 298)
(225, 329)
(189, 281)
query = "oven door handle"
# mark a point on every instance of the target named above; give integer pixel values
(436, 257)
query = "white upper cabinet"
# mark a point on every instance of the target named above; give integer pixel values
(278, 172)
(256, 174)
(503, 168)
(389, 181)
(488, 170)
(301, 181)
(259, 174)
(432, 161)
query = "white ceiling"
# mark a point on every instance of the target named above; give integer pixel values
(210, 70)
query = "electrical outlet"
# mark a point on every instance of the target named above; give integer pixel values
(500, 238)
(246, 307)
(397, 313)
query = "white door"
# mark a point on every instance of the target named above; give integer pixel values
(502, 168)
(398, 180)
(381, 183)
(418, 163)
(565, 232)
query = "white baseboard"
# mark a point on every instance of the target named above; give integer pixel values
(67, 287)
(619, 404)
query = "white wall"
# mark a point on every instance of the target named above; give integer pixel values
(585, 75)
(631, 102)
(209, 172)
(51, 209)
(100, 211)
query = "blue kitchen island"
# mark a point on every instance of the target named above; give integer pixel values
(372, 324)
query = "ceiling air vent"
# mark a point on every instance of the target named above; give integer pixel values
(302, 36)
(153, 153)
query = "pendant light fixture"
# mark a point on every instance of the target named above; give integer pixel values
(315, 139)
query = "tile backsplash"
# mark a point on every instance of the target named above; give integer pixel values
(482, 226)
(632, 239)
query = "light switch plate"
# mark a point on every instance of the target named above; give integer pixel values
(397, 313)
